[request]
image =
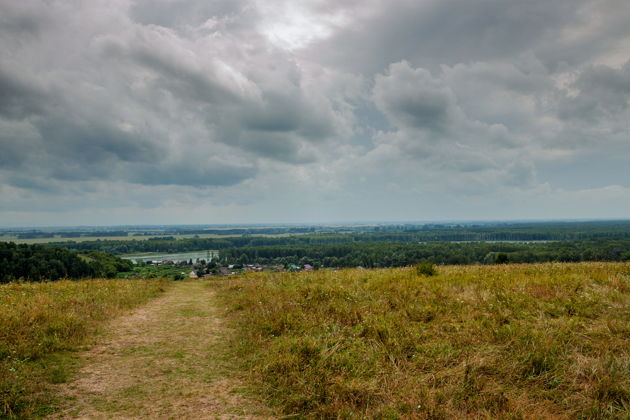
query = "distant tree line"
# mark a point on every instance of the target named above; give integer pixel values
(171, 244)
(35, 235)
(396, 254)
(93, 234)
(38, 263)
(490, 231)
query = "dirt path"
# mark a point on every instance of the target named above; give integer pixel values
(166, 361)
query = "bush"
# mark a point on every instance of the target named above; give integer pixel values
(502, 258)
(426, 269)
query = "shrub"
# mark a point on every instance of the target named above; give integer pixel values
(426, 268)
(502, 258)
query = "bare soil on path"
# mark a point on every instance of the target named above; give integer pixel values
(166, 360)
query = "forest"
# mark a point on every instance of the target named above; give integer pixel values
(397, 254)
(38, 263)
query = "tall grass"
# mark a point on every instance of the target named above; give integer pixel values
(41, 322)
(508, 341)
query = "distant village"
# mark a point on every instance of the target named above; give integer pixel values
(203, 269)
(234, 269)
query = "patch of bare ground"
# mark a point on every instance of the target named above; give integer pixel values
(166, 360)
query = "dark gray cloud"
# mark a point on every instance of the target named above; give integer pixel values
(413, 97)
(33, 184)
(92, 142)
(195, 84)
(431, 33)
(21, 20)
(18, 140)
(18, 98)
(602, 92)
(193, 173)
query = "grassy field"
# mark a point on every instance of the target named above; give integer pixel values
(31, 241)
(42, 323)
(506, 341)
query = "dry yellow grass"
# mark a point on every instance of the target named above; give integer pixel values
(510, 341)
(41, 322)
(164, 360)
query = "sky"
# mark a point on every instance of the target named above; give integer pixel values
(117, 112)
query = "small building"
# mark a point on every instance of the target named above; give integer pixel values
(308, 267)
(252, 268)
(193, 275)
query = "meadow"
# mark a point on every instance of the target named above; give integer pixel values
(59, 239)
(43, 324)
(504, 341)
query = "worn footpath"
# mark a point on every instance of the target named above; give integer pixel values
(166, 360)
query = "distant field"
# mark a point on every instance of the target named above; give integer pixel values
(175, 257)
(93, 238)
(40, 322)
(504, 341)
(129, 238)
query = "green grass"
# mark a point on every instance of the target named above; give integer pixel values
(508, 341)
(41, 324)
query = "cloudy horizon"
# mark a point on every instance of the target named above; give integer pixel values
(132, 112)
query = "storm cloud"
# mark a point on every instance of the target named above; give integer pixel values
(176, 111)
